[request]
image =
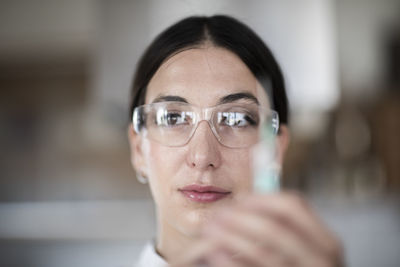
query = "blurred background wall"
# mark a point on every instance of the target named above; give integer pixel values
(68, 195)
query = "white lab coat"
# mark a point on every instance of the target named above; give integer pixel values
(149, 257)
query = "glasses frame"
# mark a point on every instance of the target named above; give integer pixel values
(202, 114)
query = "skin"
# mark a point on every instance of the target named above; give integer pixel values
(243, 229)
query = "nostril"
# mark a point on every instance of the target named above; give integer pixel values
(209, 165)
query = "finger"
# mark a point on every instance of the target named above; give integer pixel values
(292, 211)
(266, 235)
(244, 250)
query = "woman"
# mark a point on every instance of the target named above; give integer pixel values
(200, 90)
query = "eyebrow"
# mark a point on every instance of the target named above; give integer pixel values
(226, 99)
(238, 96)
(163, 98)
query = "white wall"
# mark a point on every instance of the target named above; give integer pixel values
(300, 33)
(46, 28)
(362, 29)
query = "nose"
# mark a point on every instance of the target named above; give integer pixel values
(204, 150)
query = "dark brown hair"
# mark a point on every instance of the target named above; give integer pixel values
(222, 31)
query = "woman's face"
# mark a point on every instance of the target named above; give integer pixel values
(201, 76)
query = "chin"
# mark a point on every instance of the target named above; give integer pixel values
(194, 220)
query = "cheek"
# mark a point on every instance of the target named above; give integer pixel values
(162, 163)
(160, 158)
(238, 165)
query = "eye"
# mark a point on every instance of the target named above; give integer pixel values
(173, 118)
(235, 119)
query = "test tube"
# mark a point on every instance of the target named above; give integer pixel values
(266, 169)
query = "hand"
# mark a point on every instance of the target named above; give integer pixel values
(270, 230)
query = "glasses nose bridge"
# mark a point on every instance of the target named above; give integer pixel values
(205, 114)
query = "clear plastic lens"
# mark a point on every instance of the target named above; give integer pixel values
(234, 119)
(174, 123)
(173, 118)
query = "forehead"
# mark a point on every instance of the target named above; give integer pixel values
(203, 76)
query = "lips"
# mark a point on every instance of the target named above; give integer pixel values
(204, 194)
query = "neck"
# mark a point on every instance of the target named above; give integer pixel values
(170, 242)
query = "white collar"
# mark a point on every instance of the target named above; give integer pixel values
(150, 258)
